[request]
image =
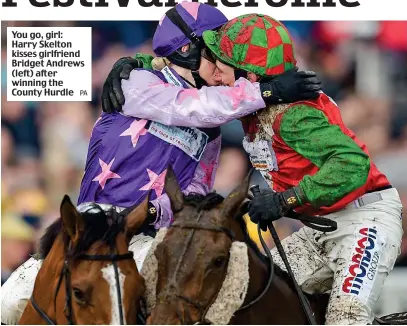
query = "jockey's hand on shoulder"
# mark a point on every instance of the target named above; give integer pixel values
(290, 86)
(269, 206)
(112, 94)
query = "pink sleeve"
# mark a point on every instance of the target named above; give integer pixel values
(148, 97)
(202, 183)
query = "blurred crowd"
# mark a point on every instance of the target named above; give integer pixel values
(363, 66)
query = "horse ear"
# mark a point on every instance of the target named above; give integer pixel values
(72, 221)
(136, 218)
(173, 190)
(236, 197)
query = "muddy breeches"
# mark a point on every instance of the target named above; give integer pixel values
(351, 262)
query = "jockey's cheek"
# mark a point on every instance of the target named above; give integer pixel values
(217, 77)
(227, 80)
(207, 72)
(227, 73)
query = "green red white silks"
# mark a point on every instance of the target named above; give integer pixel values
(307, 144)
(255, 43)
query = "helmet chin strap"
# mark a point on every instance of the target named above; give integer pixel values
(192, 58)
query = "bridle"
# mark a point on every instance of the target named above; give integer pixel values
(318, 223)
(66, 274)
(203, 309)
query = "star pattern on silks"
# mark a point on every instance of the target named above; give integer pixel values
(208, 169)
(135, 130)
(106, 173)
(238, 94)
(156, 182)
(188, 93)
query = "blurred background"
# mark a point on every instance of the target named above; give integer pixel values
(363, 66)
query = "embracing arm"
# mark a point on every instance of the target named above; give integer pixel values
(148, 97)
(343, 166)
(288, 87)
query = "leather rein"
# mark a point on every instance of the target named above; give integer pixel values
(318, 223)
(66, 275)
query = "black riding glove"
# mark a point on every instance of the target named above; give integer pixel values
(112, 94)
(148, 226)
(269, 206)
(291, 86)
(152, 213)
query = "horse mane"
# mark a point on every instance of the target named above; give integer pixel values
(213, 199)
(101, 226)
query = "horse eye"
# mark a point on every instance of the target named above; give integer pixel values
(79, 295)
(218, 262)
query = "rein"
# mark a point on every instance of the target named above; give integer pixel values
(315, 222)
(195, 226)
(230, 234)
(66, 274)
(271, 271)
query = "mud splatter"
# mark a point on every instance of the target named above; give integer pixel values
(346, 310)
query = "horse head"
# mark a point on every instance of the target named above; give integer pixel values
(205, 268)
(198, 268)
(88, 275)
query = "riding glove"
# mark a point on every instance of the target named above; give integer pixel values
(270, 206)
(148, 226)
(291, 86)
(112, 94)
(151, 213)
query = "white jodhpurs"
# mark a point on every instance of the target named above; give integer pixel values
(17, 290)
(351, 262)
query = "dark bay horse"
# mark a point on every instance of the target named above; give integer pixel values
(206, 269)
(88, 276)
(207, 257)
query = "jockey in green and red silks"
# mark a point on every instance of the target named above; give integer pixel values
(315, 165)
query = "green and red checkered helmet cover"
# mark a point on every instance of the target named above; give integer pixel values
(255, 43)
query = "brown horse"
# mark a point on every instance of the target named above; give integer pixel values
(205, 262)
(206, 269)
(88, 275)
